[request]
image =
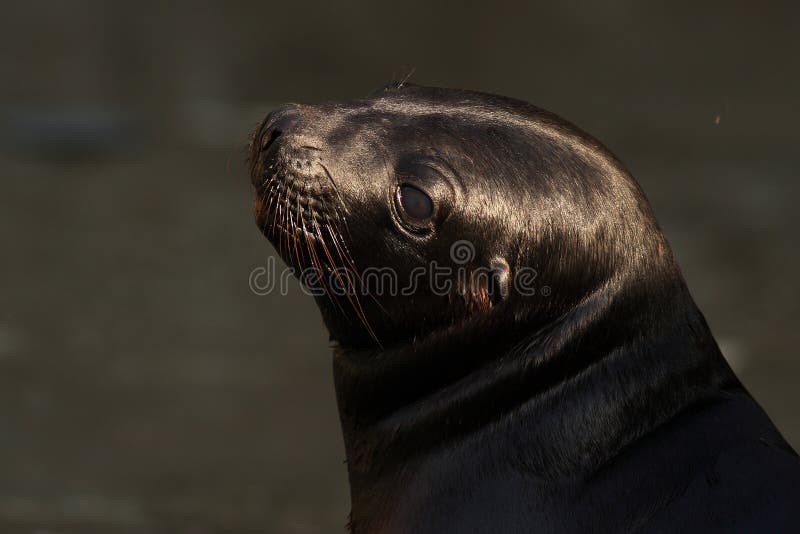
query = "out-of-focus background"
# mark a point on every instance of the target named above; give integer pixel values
(145, 389)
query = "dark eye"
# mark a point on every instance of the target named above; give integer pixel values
(415, 204)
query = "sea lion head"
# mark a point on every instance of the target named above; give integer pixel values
(419, 210)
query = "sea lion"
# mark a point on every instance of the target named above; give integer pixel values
(546, 369)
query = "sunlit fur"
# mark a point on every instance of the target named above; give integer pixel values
(556, 412)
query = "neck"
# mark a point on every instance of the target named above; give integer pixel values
(618, 367)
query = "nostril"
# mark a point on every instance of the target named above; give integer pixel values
(267, 142)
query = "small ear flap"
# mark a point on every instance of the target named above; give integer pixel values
(499, 280)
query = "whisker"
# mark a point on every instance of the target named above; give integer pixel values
(295, 215)
(341, 248)
(320, 268)
(354, 300)
(266, 201)
(321, 244)
(338, 195)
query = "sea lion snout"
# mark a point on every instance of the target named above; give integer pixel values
(294, 125)
(285, 146)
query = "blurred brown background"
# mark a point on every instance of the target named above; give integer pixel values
(144, 388)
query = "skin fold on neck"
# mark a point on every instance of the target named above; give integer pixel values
(617, 364)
